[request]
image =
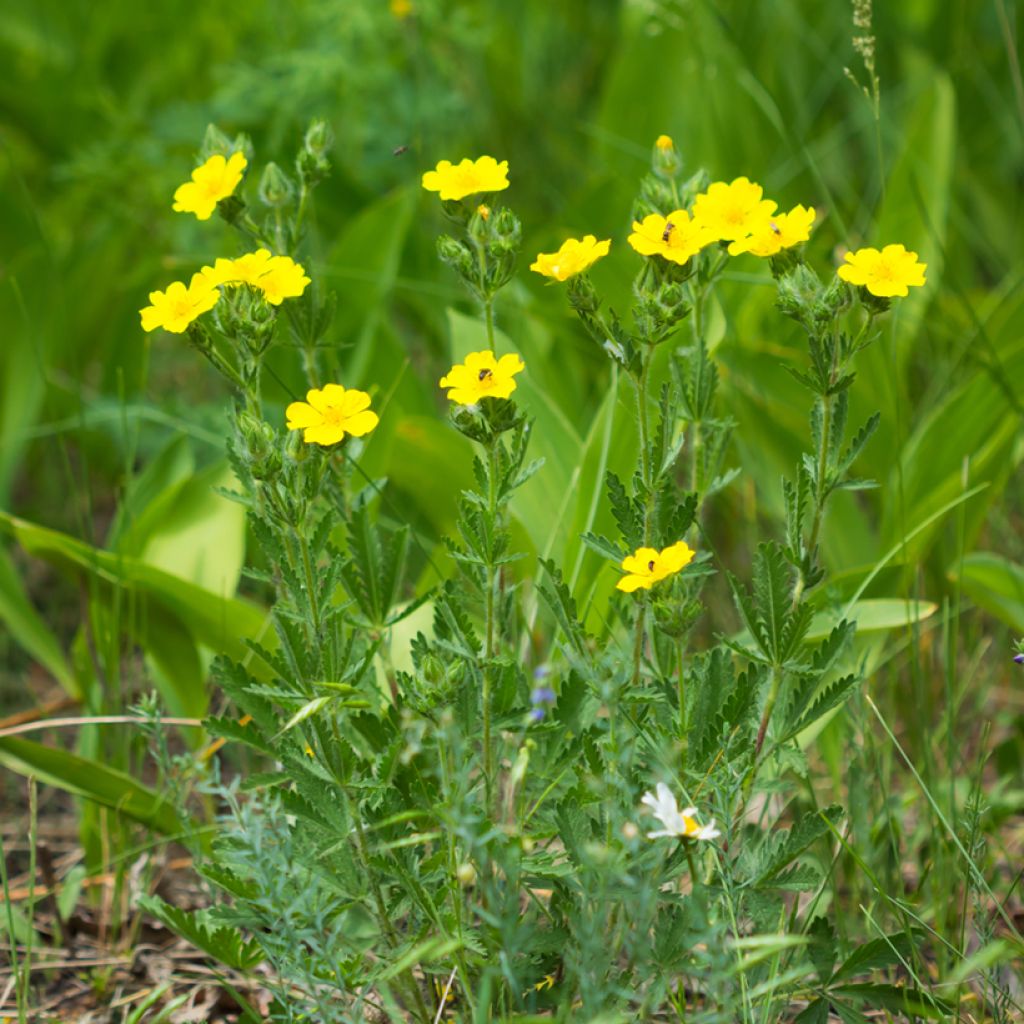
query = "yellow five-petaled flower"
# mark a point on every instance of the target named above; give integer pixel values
(574, 256)
(887, 273)
(782, 231)
(734, 210)
(278, 277)
(331, 412)
(647, 566)
(676, 237)
(467, 178)
(213, 181)
(176, 308)
(482, 376)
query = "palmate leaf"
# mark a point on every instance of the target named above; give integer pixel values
(225, 944)
(832, 696)
(556, 595)
(626, 512)
(772, 589)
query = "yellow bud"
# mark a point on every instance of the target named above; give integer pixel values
(664, 143)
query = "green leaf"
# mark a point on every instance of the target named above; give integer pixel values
(223, 943)
(910, 1001)
(781, 850)
(90, 779)
(29, 631)
(995, 583)
(881, 952)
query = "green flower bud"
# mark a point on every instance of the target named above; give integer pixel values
(508, 232)
(215, 141)
(276, 189)
(456, 255)
(318, 138)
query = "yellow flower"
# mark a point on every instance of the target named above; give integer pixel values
(467, 178)
(215, 180)
(485, 211)
(401, 9)
(675, 237)
(734, 210)
(284, 279)
(664, 143)
(176, 308)
(482, 376)
(328, 414)
(885, 274)
(781, 232)
(278, 277)
(648, 566)
(574, 256)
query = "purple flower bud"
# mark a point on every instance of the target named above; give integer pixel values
(542, 695)
(1019, 658)
(537, 715)
(542, 672)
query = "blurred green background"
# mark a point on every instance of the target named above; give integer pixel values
(114, 437)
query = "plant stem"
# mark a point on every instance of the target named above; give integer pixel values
(769, 707)
(307, 565)
(492, 513)
(641, 414)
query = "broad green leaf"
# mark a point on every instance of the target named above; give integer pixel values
(222, 624)
(995, 583)
(90, 779)
(29, 631)
(872, 615)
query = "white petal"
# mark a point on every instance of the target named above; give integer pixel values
(689, 812)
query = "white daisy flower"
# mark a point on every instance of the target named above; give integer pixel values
(680, 824)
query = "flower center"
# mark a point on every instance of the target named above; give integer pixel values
(332, 416)
(669, 228)
(690, 825)
(884, 271)
(182, 308)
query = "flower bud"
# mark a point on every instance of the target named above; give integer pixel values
(466, 874)
(318, 138)
(215, 141)
(508, 232)
(665, 160)
(797, 292)
(261, 450)
(456, 255)
(276, 189)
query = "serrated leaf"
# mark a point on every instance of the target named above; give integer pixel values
(220, 941)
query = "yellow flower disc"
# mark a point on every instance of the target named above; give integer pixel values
(482, 376)
(887, 273)
(467, 178)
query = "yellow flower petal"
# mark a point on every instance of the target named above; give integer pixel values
(468, 177)
(482, 376)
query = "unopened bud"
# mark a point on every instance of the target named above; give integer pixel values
(276, 189)
(318, 138)
(215, 141)
(466, 874)
(507, 231)
(665, 160)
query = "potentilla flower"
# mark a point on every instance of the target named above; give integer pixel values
(574, 256)
(176, 308)
(782, 231)
(278, 277)
(676, 237)
(680, 824)
(664, 143)
(331, 412)
(213, 181)
(648, 566)
(467, 178)
(482, 376)
(734, 210)
(887, 273)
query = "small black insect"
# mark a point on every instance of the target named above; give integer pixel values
(775, 227)
(650, 565)
(399, 150)
(669, 227)
(484, 375)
